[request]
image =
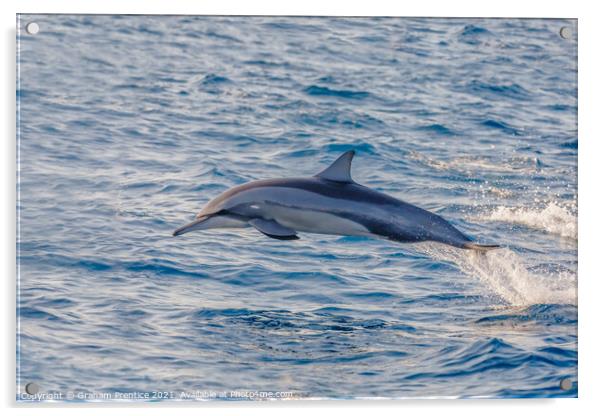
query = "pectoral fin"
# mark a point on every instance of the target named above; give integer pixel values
(273, 229)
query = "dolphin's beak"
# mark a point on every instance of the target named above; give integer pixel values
(191, 226)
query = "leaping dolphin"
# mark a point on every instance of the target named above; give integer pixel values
(327, 203)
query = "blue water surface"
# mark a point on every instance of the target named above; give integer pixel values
(128, 125)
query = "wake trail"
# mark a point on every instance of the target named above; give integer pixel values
(503, 273)
(553, 218)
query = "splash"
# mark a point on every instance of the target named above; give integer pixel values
(552, 219)
(504, 274)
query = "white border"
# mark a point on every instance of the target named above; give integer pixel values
(590, 136)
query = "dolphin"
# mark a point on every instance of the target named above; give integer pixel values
(330, 202)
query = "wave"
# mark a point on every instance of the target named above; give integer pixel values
(473, 35)
(211, 79)
(470, 30)
(325, 91)
(544, 315)
(553, 218)
(503, 273)
(513, 91)
(437, 129)
(500, 125)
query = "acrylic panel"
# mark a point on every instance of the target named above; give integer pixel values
(276, 208)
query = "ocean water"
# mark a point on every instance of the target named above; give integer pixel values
(128, 125)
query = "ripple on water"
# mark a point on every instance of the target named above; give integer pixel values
(502, 126)
(473, 34)
(315, 90)
(439, 129)
(499, 91)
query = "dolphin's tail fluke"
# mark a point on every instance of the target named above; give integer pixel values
(480, 247)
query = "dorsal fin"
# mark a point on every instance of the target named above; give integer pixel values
(340, 170)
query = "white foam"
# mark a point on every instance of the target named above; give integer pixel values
(504, 274)
(552, 219)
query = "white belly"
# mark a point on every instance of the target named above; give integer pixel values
(316, 222)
